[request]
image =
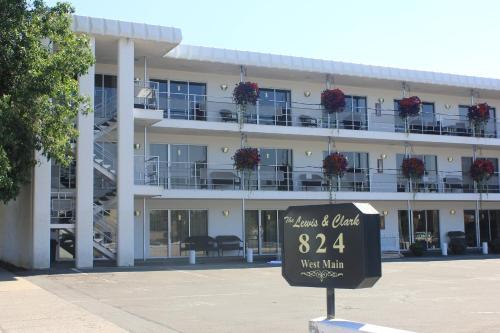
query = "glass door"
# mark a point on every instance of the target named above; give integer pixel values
(252, 230)
(262, 230)
(269, 232)
(274, 107)
(275, 170)
(470, 228)
(158, 234)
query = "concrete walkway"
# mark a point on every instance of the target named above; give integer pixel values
(25, 307)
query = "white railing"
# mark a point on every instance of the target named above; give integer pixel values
(179, 175)
(146, 95)
(62, 208)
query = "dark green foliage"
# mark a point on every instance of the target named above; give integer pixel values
(40, 59)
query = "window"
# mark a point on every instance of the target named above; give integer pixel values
(275, 170)
(181, 166)
(186, 223)
(354, 116)
(187, 99)
(489, 226)
(424, 123)
(274, 107)
(425, 228)
(104, 97)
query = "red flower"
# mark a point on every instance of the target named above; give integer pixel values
(481, 170)
(334, 164)
(246, 159)
(413, 168)
(479, 113)
(409, 106)
(246, 93)
(333, 100)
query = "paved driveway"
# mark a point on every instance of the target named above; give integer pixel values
(423, 296)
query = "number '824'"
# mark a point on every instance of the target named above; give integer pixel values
(305, 247)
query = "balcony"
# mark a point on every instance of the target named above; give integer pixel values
(203, 176)
(309, 116)
(147, 103)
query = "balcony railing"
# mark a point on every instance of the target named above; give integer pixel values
(204, 108)
(203, 176)
(217, 109)
(146, 95)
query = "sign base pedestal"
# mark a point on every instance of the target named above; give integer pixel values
(324, 325)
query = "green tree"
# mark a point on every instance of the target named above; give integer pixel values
(40, 61)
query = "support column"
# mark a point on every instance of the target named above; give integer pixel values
(84, 248)
(41, 213)
(125, 179)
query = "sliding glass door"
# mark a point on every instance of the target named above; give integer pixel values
(262, 230)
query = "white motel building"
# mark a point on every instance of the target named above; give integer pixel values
(153, 162)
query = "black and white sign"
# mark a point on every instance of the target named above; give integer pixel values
(332, 246)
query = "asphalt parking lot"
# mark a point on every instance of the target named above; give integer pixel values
(422, 296)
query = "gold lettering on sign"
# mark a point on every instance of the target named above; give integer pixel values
(325, 221)
(299, 222)
(341, 221)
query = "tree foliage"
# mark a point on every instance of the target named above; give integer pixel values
(40, 61)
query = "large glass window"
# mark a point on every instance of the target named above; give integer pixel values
(275, 170)
(274, 107)
(158, 233)
(104, 97)
(187, 100)
(489, 226)
(425, 228)
(491, 184)
(262, 230)
(187, 165)
(167, 237)
(353, 117)
(424, 123)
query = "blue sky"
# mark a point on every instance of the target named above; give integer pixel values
(458, 36)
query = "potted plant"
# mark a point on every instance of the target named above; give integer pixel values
(246, 160)
(479, 115)
(481, 170)
(333, 100)
(334, 165)
(245, 93)
(409, 107)
(413, 168)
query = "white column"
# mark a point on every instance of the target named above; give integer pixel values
(41, 213)
(125, 183)
(84, 253)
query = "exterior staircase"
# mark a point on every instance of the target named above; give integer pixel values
(104, 212)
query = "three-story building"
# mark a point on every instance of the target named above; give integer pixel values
(154, 161)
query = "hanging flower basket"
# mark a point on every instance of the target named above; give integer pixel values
(334, 165)
(481, 170)
(246, 93)
(333, 100)
(246, 159)
(409, 107)
(479, 114)
(413, 168)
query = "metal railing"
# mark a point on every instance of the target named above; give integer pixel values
(62, 208)
(179, 175)
(146, 95)
(105, 228)
(107, 158)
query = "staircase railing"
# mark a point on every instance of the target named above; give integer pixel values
(105, 155)
(105, 228)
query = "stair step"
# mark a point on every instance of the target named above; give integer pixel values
(98, 160)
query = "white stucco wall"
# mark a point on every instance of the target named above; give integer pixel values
(16, 241)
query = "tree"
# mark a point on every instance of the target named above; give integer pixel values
(40, 61)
